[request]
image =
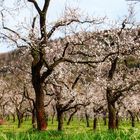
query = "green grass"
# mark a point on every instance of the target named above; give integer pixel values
(76, 131)
(55, 135)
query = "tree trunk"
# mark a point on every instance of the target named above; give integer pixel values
(19, 117)
(87, 119)
(111, 109)
(132, 115)
(117, 119)
(14, 118)
(112, 116)
(95, 123)
(104, 118)
(137, 116)
(37, 53)
(19, 123)
(60, 120)
(40, 110)
(39, 93)
(71, 115)
(53, 115)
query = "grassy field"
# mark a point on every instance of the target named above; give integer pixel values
(76, 131)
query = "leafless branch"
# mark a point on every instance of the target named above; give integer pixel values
(36, 5)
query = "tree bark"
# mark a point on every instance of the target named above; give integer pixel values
(112, 116)
(87, 119)
(104, 118)
(37, 64)
(53, 115)
(137, 117)
(38, 87)
(19, 117)
(71, 115)
(117, 119)
(95, 122)
(60, 120)
(111, 110)
(132, 115)
(40, 110)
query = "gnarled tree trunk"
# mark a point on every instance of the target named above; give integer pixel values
(37, 53)
(40, 110)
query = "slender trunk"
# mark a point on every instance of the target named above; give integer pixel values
(14, 118)
(71, 116)
(137, 116)
(104, 118)
(87, 119)
(20, 118)
(95, 122)
(133, 121)
(47, 118)
(19, 123)
(60, 120)
(132, 115)
(117, 119)
(53, 115)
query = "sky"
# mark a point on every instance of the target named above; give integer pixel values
(113, 9)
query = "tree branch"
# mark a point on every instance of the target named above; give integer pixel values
(76, 80)
(113, 68)
(46, 5)
(36, 6)
(61, 60)
(67, 22)
(119, 93)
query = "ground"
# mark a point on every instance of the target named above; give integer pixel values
(77, 130)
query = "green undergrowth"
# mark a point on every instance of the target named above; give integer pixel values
(77, 130)
(56, 135)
